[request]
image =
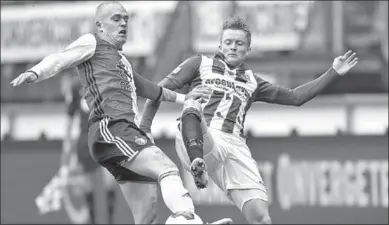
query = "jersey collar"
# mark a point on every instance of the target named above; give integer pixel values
(221, 57)
(240, 70)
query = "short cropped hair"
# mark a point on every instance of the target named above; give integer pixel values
(237, 23)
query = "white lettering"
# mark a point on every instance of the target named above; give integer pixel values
(284, 185)
(360, 184)
(373, 169)
(331, 183)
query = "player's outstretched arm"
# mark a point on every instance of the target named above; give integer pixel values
(77, 52)
(149, 90)
(178, 78)
(151, 107)
(298, 96)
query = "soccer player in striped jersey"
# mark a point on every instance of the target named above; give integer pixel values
(211, 139)
(77, 110)
(111, 87)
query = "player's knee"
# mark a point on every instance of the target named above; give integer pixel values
(256, 212)
(159, 160)
(192, 133)
(192, 110)
(167, 173)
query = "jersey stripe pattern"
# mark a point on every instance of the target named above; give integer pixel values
(231, 97)
(107, 79)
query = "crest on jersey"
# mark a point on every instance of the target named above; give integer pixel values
(125, 74)
(140, 140)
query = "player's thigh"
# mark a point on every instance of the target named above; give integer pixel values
(150, 162)
(126, 151)
(142, 200)
(250, 201)
(241, 169)
(241, 176)
(108, 180)
(86, 162)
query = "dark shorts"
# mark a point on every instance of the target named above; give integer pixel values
(84, 157)
(112, 142)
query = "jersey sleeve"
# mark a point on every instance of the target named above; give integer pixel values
(146, 88)
(265, 91)
(76, 53)
(273, 93)
(185, 72)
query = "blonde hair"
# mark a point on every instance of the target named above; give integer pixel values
(237, 23)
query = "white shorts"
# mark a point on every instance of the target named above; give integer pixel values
(229, 163)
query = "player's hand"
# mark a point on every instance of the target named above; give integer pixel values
(26, 77)
(343, 64)
(201, 92)
(150, 137)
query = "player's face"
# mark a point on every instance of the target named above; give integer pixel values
(234, 46)
(115, 22)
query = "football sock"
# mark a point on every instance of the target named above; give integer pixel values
(174, 194)
(192, 136)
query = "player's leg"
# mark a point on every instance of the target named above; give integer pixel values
(142, 199)
(110, 151)
(243, 184)
(110, 185)
(88, 167)
(210, 149)
(252, 204)
(192, 131)
(152, 162)
(126, 152)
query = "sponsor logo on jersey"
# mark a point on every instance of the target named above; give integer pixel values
(227, 85)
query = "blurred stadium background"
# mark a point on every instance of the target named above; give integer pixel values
(324, 162)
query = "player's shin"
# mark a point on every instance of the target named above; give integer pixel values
(192, 135)
(174, 194)
(191, 130)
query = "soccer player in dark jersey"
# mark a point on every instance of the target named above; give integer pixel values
(110, 87)
(211, 139)
(77, 110)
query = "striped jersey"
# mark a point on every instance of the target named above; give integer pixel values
(110, 85)
(234, 90)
